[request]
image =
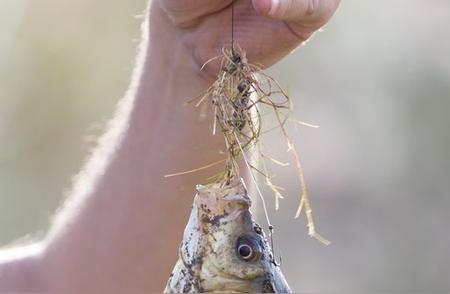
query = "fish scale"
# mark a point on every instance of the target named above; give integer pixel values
(209, 259)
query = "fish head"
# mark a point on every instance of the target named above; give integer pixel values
(223, 249)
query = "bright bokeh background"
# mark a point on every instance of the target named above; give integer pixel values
(377, 81)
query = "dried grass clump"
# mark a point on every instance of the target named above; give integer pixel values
(237, 99)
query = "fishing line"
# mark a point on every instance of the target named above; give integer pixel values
(232, 27)
(266, 213)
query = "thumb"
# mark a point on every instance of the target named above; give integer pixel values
(317, 11)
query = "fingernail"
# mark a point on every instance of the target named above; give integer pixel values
(267, 7)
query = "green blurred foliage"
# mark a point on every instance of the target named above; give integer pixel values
(377, 81)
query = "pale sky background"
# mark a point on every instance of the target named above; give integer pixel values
(376, 80)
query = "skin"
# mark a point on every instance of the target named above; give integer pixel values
(120, 227)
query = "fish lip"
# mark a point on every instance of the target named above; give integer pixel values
(275, 282)
(228, 292)
(234, 282)
(272, 281)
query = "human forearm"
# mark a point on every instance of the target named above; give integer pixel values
(121, 227)
(20, 269)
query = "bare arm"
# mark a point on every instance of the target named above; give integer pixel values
(119, 229)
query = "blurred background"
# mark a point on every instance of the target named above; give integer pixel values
(376, 80)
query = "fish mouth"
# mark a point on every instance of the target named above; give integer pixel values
(272, 281)
(227, 291)
(254, 287)
(275, 282)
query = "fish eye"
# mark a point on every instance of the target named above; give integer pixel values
(248, 249)
(245, 251)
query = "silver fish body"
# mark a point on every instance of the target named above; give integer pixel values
(223, 249)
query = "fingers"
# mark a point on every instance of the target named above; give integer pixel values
(317, 11)
(186, 12)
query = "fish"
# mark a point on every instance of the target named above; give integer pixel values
(223, 248)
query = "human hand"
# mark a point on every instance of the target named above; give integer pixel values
(267, 30)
